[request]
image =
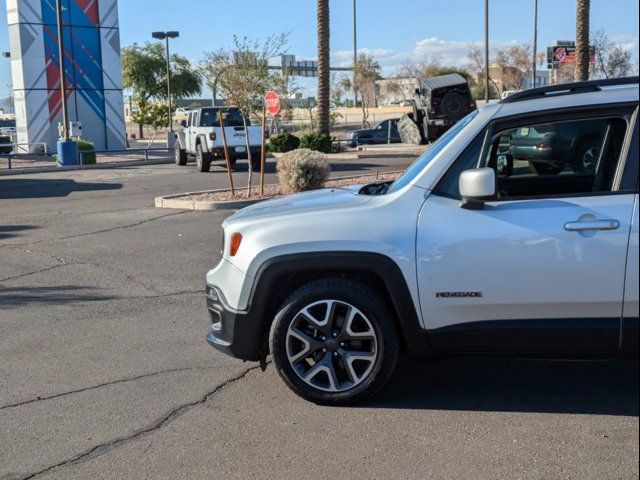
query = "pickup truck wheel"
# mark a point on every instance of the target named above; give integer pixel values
(334, 342)
(203, 159)
(255, 163)
(180, 155)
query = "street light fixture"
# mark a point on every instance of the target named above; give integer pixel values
(166, 36)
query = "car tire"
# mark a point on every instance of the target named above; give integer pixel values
(203, 159)
(180, 155)
(586, 156)
(256, 162)
(453, 105)
(546, 168)
(358, 357)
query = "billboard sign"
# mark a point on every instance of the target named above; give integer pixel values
(563, 54)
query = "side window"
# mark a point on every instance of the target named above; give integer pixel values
(558, 158)
(630, 174)
(189, 119)
(468, 160)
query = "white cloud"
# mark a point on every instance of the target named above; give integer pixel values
(449, 52)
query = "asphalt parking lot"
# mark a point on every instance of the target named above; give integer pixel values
(104, 372)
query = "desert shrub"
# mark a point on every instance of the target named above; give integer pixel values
(319, 143)
(84, 145)
(301, 170)
(285, 142)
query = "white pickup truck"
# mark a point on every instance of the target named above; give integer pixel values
(201, 136)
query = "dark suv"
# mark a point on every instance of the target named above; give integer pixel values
(440, 103)
(384, 132)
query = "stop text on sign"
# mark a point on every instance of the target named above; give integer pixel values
(272, 102)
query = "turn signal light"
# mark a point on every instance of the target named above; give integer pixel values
(236, 240)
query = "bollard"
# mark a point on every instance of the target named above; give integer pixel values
(9, 159)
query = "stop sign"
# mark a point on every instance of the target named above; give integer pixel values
(272, 102)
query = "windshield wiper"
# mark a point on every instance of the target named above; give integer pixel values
(377, 188)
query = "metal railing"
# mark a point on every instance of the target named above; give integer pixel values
(146, 153)
(48, 159)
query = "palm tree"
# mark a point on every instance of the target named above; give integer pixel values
(582, 41)
(324, 78)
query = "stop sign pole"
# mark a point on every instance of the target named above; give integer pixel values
(272, 105)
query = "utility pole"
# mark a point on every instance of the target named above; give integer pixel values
(67, 148)
(63, 79)
(535, 43)
(486, 50)
(355, 56)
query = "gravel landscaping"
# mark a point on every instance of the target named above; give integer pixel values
(273, 190)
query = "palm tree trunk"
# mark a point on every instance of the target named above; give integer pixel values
(582, 41)
(324, 80)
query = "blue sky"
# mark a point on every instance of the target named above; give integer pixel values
(394, 31)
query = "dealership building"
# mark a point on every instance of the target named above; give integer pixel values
(91, 65)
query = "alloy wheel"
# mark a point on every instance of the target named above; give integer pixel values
(331, 345)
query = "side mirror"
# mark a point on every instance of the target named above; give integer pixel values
(476, 187)
(183, 123)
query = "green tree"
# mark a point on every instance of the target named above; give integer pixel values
(144, 72)
(154, 116)
(324, 74)
(366, 73)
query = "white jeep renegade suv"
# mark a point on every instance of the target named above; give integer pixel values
(470, 251)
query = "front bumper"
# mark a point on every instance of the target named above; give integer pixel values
(236, 333)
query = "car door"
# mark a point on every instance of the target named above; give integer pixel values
(188, 132)
(629, 181)
(381, 132)
(541, 268)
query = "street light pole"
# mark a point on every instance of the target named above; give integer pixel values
(486, 50)
(63, 80)
(355, 56)
(535, 43)
(166, 36)
(169, 87)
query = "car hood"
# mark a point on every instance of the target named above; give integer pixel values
(329, 198)
(362, 131)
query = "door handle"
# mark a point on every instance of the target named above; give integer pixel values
(592, 225)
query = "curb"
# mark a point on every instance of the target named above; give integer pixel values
(126, 163)
(173, 202)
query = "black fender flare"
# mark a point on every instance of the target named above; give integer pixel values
(380, 265)
(202, 139)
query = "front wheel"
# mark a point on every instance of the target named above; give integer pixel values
(180, 155)
(334, 342)
(203, 159)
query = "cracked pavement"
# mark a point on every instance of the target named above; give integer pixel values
(104, 372)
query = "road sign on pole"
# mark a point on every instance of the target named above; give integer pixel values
(272, 102)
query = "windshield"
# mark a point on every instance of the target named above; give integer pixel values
(231, 117)
(416, 167)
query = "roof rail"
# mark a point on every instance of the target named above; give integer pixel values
(568, 89)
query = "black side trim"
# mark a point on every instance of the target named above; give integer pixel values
(630, 334)
(383, 267)
(529, 336)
